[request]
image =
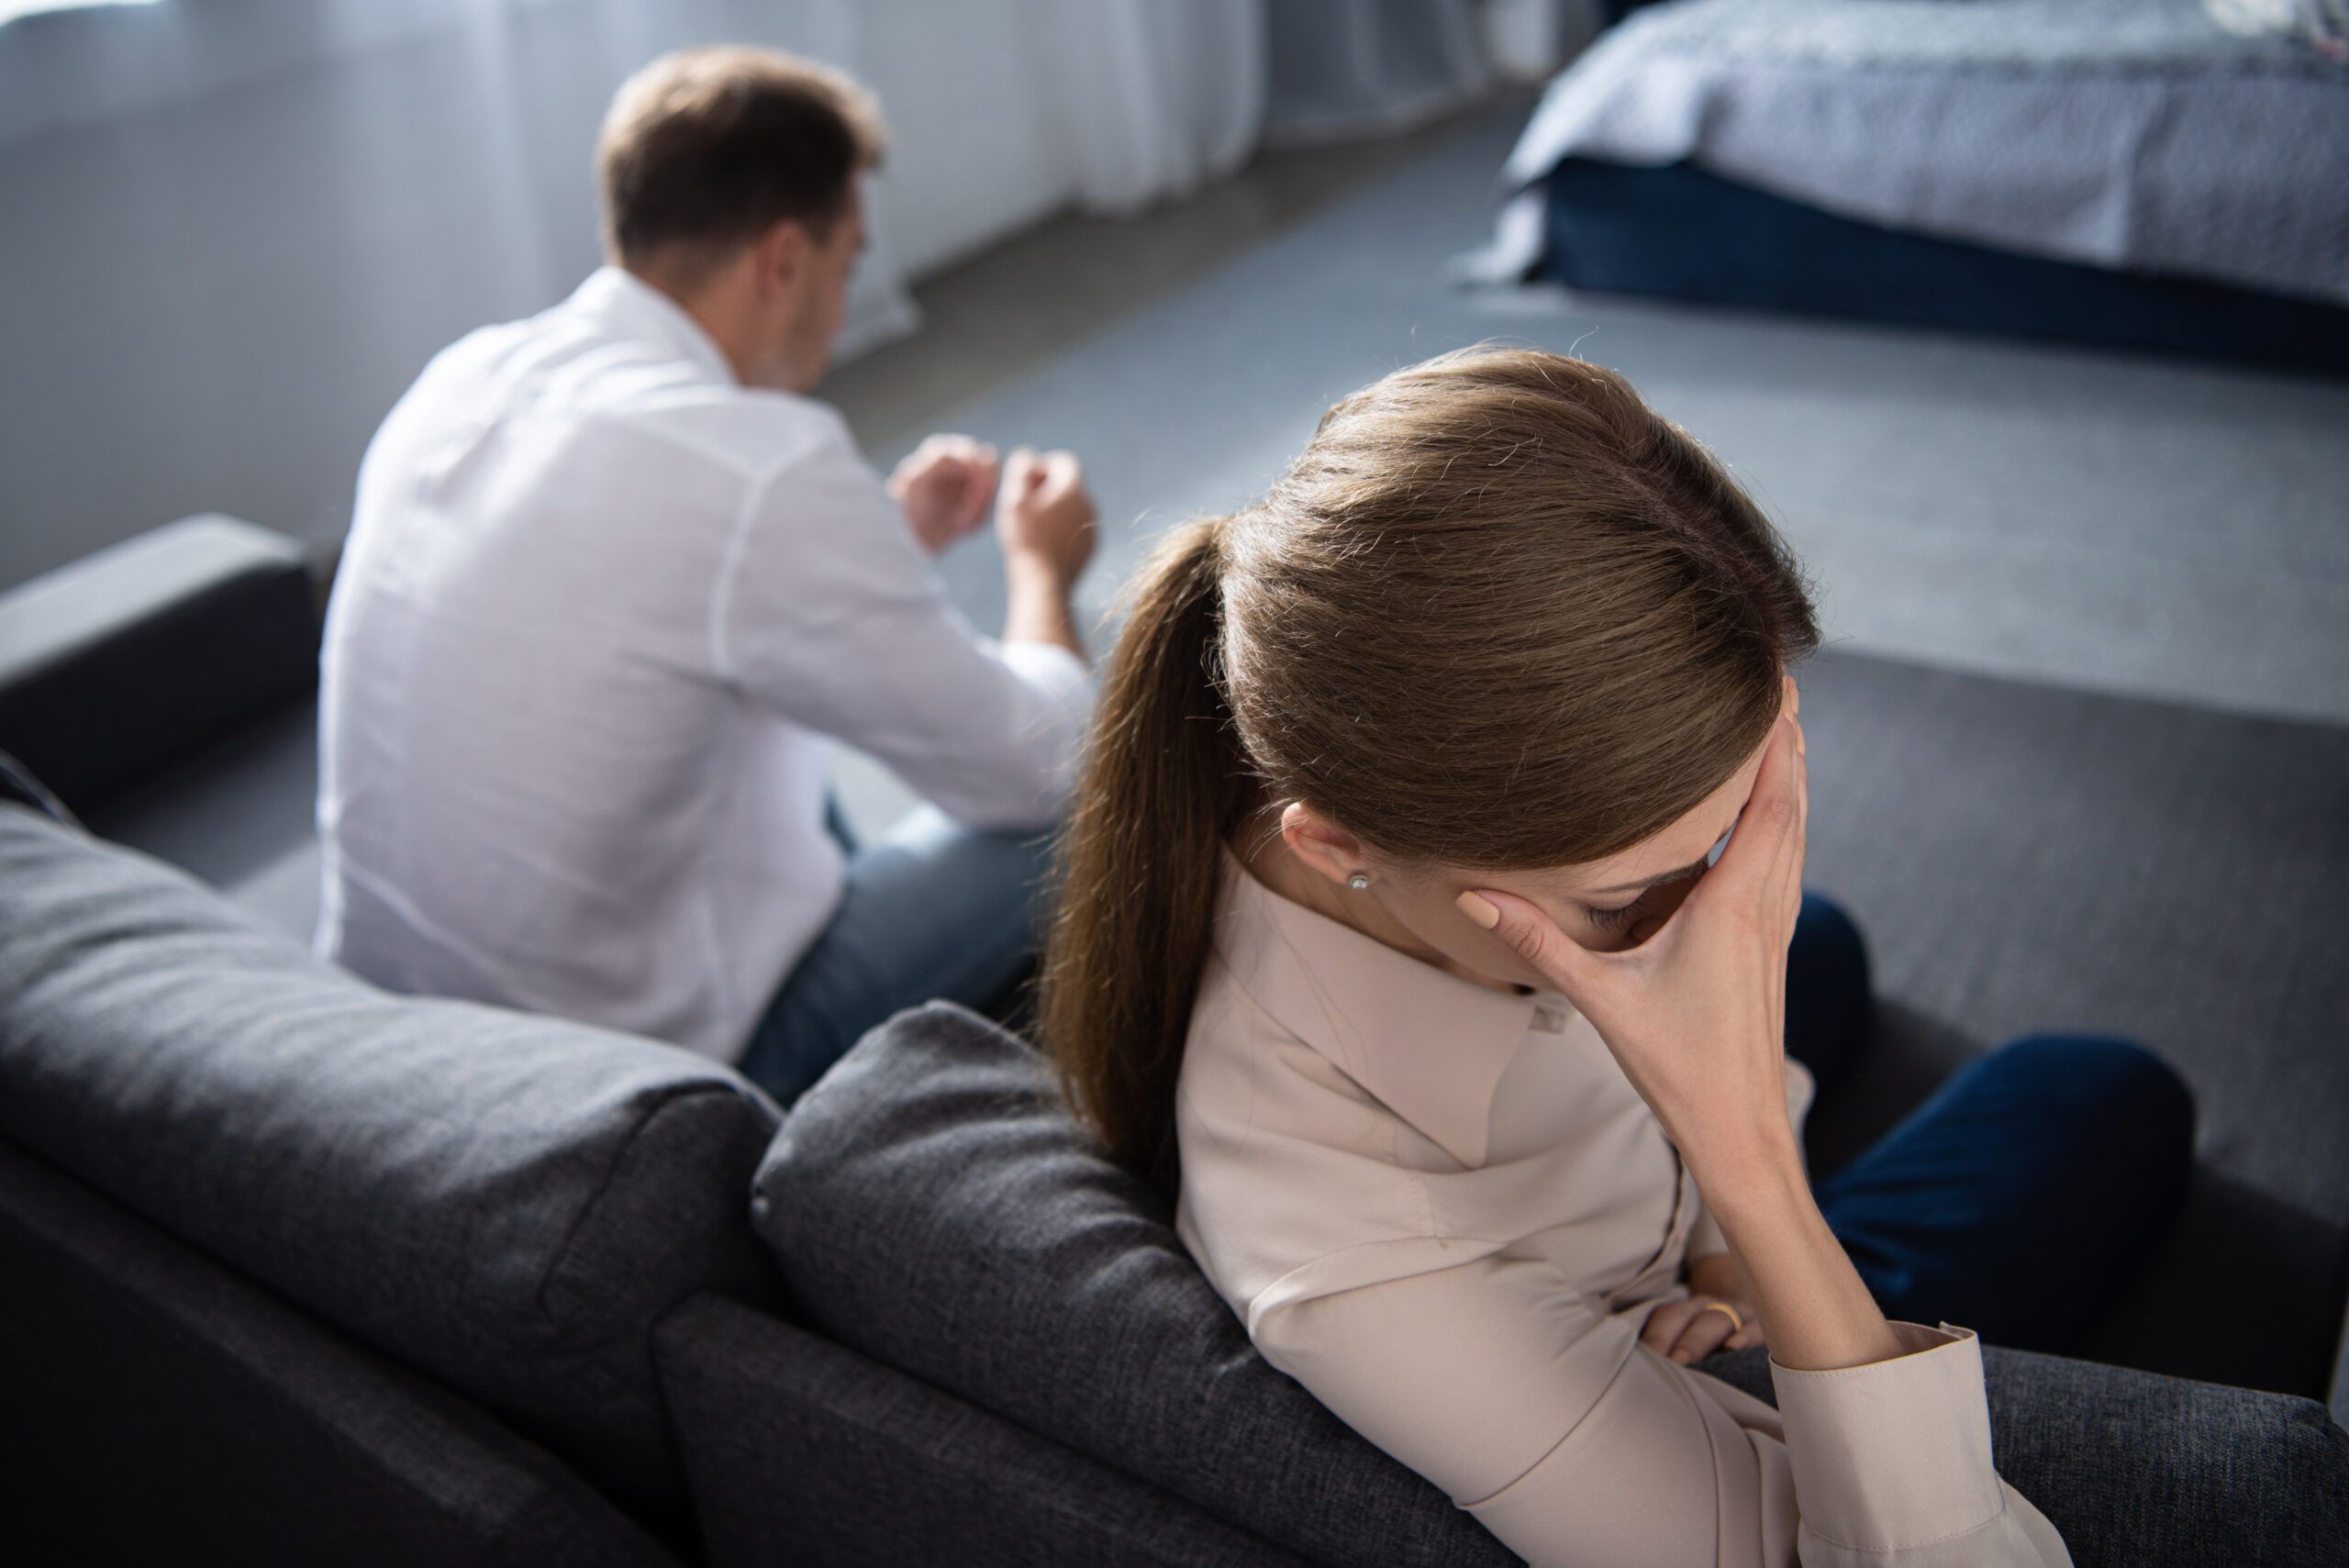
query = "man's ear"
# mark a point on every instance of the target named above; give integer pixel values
(1319, 843)
(782, 255)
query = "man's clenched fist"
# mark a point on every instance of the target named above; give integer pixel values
(1045, 511)
(944, 485)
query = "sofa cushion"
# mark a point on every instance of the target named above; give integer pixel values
(933, 1205)
(507, 1203)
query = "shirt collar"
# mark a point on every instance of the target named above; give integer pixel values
(1430, 1045)
(631, 307)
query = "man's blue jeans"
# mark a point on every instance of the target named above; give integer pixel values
(2017, 1198)
(934, 909)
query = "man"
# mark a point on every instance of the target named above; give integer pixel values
(614, 582)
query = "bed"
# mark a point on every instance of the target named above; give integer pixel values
(2121, 171)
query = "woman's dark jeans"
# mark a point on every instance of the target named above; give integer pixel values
(2012, 1203)
(2015, 1200)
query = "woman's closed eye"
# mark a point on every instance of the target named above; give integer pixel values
(1615, 919)
(1622, 915)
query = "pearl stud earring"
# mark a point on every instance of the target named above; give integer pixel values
(1359, 880)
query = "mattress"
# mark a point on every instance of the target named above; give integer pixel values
(2134, 135)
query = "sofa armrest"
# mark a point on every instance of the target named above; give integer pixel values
(163, 1408)
(18, 785)
(114, 665)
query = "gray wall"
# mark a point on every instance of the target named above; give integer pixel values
(232, 232)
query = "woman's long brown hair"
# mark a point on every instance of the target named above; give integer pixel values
(1497, 615)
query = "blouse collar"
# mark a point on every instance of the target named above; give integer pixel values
(1430, 1045)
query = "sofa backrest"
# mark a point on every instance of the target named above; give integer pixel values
(507, 1203)
(933, 1205)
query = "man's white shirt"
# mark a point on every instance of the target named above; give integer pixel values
(600, 608)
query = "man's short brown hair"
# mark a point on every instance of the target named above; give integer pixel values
(704, 149)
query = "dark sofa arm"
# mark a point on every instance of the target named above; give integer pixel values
(18, 784)
(161, 1408)
(121, 662)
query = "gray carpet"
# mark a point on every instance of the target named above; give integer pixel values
(2095, 519)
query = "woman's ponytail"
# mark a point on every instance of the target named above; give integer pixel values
(1497, 615)
(1138, 860)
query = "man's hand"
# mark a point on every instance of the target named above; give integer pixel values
(944, 487)
(1045, 513)
(1688, 1331)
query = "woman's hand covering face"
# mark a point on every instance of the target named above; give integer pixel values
(1695, 1015)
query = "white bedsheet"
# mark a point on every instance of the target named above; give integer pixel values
(2131, 134)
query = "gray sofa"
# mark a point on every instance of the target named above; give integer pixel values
(300, 1271)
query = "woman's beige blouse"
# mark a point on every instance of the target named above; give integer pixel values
(1443, 1209)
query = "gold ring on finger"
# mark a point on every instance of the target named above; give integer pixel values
(1737, 1324)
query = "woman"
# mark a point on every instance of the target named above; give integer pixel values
(1392, 939)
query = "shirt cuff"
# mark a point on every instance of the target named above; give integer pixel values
(1895, 1453)
(1052, 670)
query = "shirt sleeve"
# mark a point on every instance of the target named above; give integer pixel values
(826, 612)
(1546, 1418)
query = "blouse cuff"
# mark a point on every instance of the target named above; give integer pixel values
(1896, 1453)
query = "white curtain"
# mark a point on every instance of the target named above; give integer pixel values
(1341, 69)
(1153, 98)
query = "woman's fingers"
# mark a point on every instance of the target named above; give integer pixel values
(1755, 855)
(1691, 1330)
(1536, 938)
(1665, 1324)
(1706, 1332)
(1786, 883)
(1802, 812)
